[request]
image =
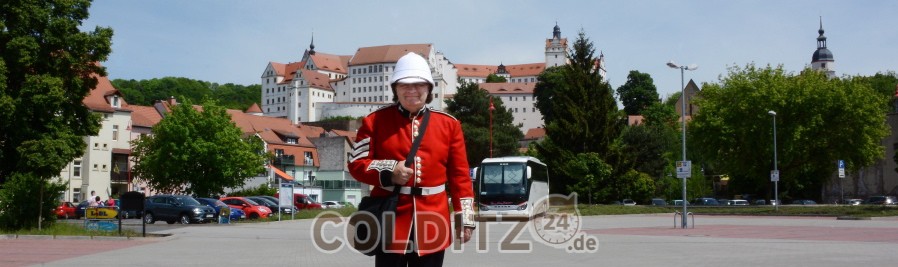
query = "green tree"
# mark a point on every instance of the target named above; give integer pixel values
(471, 106)
(48, 67)
(493, 78)
(819, 120)
(573, 127)
(638, 93)
(197, 152)
(146, 92)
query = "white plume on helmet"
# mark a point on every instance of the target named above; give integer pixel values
(412, 68)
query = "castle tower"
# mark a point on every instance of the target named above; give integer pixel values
(822, 59)
(556, 49)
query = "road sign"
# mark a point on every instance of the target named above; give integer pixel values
(774, 176)
(841, 168)
(100, 213)
(684, 169)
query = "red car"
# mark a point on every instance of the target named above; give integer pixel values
(252, 209)
(65, 210)
(303, 201)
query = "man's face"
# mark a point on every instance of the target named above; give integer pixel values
(412, 96)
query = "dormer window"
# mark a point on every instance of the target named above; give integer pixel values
(291, 140)
(114, 100)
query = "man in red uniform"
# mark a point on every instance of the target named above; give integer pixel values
(422, 231)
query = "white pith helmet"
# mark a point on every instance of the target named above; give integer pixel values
(412, 68)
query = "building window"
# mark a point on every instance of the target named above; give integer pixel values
(114, 132)
(278, 152)
(115, 101)
(76, 168)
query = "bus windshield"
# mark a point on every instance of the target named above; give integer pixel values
(504, 179)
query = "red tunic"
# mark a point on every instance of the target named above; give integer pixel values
(384, 140)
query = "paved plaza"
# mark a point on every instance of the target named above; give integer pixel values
(624, 240)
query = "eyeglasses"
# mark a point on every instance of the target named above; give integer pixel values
(411, 86)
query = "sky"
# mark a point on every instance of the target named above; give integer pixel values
(231, 41)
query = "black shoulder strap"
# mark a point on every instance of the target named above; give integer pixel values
(417, 142)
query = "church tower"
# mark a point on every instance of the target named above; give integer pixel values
(556, 49)
(822, 59)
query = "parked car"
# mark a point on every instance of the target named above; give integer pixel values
(272, 205)
(65, 210)
(176, 208)
(658, 202)
(127, 214)
(679, 202)
(737, 202)
(803, 202)
(217, 205)
(347, 204)
(853, 201)
(628, 202)
(705, 201)
(277, 201)
(252, 209)
(302, 201)
(880, 200)
(331, 205)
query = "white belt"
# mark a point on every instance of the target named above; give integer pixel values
(421, 191)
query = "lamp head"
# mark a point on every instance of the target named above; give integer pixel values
(772, 113)
(672, 64)
(692, 67)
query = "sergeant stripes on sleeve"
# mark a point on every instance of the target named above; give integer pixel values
(360, 149)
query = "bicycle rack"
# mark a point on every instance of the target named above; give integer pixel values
(678, 214)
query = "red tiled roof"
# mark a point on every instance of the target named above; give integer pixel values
(316, 79)
(535, 133)
(144, 116)
(290, 70)
(328, 62)
(311, 131)
(387, 53)
(470, 70)
(508, 88)
(96, 99)
(635, 120)
(279, 68)
(254, 109)
(519, 70)
(563, 42)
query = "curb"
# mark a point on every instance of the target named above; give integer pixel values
(854, 218)
(72, 237)
(36, 237)
(7, 237)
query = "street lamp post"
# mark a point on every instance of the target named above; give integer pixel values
(683, 69)
(776, 181)
(491, 125)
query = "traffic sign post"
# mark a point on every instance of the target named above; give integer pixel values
(684, 169)
(775, 176)
(841, 166)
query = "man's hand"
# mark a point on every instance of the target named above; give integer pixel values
(401, 174)
(465, 235)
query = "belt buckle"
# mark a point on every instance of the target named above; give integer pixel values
(416, 191)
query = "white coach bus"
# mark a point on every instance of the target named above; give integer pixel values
(511, 187)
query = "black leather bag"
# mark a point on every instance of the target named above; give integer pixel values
(369, 242)
(376, 207)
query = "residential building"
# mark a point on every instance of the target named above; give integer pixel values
(104, 166)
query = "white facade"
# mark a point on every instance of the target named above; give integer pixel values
(556, 49)
(288, 90)
(93, 171)
(518, 99)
